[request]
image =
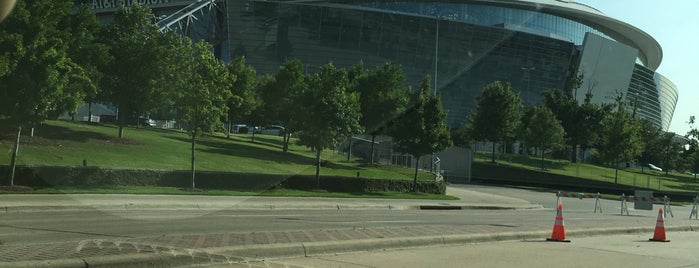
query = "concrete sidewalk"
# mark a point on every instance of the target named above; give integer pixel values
(243, 247)
(36, 202)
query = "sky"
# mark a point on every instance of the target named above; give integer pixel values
(675, 25)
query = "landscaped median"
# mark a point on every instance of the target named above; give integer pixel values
(98, 177)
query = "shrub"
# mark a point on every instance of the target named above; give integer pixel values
(51, 176)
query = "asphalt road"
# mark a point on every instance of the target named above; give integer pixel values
(80, 223)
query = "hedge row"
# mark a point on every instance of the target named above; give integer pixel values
(51, 176)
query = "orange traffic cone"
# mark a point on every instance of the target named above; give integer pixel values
(659, 234)
(559, 232)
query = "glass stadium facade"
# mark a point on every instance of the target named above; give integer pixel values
(535, 45)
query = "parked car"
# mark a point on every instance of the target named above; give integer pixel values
(654, 167)
(272, 130)
(240, 128)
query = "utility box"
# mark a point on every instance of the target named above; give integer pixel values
(643, 200)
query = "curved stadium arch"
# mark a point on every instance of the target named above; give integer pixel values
(463, 44)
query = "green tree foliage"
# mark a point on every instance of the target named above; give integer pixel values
(140, 68)
(383, 96)
(422, 129)
(38, 78)
(244, 99)
(497, 114)
(692, 153)
(84, 29)
(543, 131)
(329, 111)
(461, 136)
(524, 122)
(581, 122)
(281, 97)
(652, 148)
(201, 92)
(670, 149)
(620, 138)
(356, 74)
(258, 114)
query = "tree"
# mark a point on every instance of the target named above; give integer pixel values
(201, 93)
(650, 135)
(383, 96)
(329, 110)
(257, 115)
(37, 76)
(140, 69)
(524, 122)
(620, 139)
(692, 153)
(243, 100)
(589, 118)
(543, 131)
(581, 122)
(670, 149)
(497, 114)
(461, 136)
(422, 129)
(356, 74)
(85, 49)
(694, 164)
(281, 97)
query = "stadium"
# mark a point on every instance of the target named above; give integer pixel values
(535, 45)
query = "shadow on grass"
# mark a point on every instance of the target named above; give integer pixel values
(46, 134)
(532, 162)
(333, 165)
(218, 146)
(685, 187)
(266, 139)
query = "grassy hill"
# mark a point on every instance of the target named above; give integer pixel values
(64, 143)
(632, 176)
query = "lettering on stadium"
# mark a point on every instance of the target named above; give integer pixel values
(102, 4)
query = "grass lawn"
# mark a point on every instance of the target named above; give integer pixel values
(628, 176)
(64, 143)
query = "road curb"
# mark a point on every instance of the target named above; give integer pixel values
(195, 207)
(245, 254)
(476, 207)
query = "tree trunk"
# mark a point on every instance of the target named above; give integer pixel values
(616, 173)
(228, 132)
(252, 139)
(14, 157)
(574, 158)
(194, 140)
(89, 112)
(492, 158)
(417, 163)
(122, 122)
(542, 160)
(287, 137)
(371, 158)
(318, 168)
(349, 148)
